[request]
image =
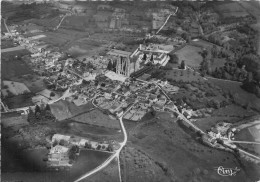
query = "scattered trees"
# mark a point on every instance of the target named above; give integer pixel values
(40, 114)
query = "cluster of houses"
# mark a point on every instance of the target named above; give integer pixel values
(61, 146)
(143, 96)
(222, 131)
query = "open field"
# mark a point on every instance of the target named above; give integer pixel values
(233, 111)
(64, 109)
(14, 68)
(108, 174)
(6, 43)
(96, 117)
(184, 75)
(19, 101)
(231, 9)
(190, 54)
(86, 130)
(15, 88)
(242, 97)
(244, 135)
(14, 121)
(137, 166)
(33, 82)
(60, 38)
(180, 147)
(78, 22)
(249, 134)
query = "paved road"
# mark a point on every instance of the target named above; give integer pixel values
(65, 94)
(112, 157)
(119, 169)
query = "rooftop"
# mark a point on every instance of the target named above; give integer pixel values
(115, 52)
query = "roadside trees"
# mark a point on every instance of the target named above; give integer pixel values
(182, 66)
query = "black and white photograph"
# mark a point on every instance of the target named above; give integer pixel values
(130, 91)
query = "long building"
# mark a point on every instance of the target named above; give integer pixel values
(154, 53)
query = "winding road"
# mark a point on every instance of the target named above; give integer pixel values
(113, 156)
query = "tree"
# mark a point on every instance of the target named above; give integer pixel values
(73, 151)
(49, 115)
(110, 148)
(153, 112)
(37, 109)
(52, 94)
(87, 145)
(62, 142)
(31, 116)
(186, 37)
(110, 65)
(98, 147)
(205, 66)
(47, 108)
(173, 58)
(55, 143)
(114, 66)
(182, 66)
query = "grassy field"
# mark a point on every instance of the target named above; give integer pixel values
(64, 109)
(233, 111)
(6, 43)
(109, 173)
(14, 87)
(190, 54)
(19, 101)
(180, 147)
(241, 96)
(245, 135)
(14, 68)
(218, 62)
(184, 75)
(33, 82)
(231, 9)
(96, 117)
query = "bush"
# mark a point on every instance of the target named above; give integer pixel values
(5, 87)
(52, 94)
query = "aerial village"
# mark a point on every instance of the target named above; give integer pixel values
(113, 83)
